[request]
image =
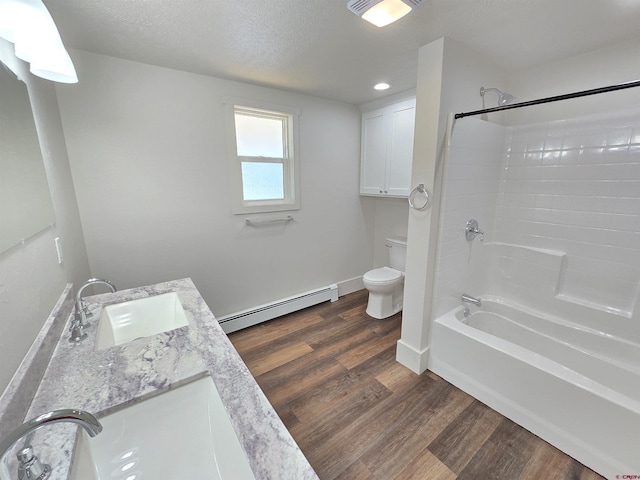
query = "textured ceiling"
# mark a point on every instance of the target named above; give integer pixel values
(318, 47)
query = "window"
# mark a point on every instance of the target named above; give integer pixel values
(264, 163)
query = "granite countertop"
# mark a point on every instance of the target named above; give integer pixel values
(101, 381)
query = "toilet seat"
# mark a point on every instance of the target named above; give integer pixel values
(382, 276)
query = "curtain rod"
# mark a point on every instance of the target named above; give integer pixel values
(566, 96)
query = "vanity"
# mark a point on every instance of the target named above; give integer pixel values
(107, 378)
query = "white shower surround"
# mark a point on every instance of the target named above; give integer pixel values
(560, 206)
(570, 186)
(574, 185)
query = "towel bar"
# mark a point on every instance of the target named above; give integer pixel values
(252, 223)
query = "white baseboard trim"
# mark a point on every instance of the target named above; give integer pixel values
(414, 360)
(262, 313)
(349, 286)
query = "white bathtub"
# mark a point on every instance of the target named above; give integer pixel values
(576, 388)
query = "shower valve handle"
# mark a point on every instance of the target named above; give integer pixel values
(472, 230)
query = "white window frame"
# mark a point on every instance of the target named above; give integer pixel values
(290, 162)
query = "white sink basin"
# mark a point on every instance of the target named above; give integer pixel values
(122, 322)
(181, 434)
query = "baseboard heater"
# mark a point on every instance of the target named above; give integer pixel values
(262, 313)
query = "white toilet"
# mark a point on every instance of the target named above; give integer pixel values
(386, 284)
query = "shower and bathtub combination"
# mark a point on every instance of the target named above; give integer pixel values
(539, 317)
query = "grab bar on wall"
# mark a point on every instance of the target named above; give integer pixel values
(253, 223)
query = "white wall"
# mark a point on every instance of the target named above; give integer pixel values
(449, 79)
(390, 220)
(607, 66)
(31, 280)
(148, 154)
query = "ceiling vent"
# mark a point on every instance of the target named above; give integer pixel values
(382, 12)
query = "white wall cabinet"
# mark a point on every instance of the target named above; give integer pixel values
(387, 149)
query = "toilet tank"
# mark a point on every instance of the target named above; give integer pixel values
(397, 252)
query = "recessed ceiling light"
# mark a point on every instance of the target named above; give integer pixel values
(381, 86)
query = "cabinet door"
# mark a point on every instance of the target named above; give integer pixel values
(374, 153)
(400, 149)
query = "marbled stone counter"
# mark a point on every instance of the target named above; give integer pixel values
(101, 381)
(15, 400)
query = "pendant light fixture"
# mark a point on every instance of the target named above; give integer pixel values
(27, 26)
(382, 12)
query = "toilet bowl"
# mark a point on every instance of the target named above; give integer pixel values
(386, 284)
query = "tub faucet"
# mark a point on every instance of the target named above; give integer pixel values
(29, 467)
(473, 300)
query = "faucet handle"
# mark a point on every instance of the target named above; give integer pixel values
(85, 309)
(472, 229)
(80, 318)
(30, 467)
(77, 331)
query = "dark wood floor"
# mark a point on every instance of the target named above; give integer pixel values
(330, 373)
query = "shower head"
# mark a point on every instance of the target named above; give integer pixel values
(503, 97)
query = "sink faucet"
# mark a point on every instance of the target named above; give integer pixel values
(29, 466)
(473, 300)
(81, 312)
